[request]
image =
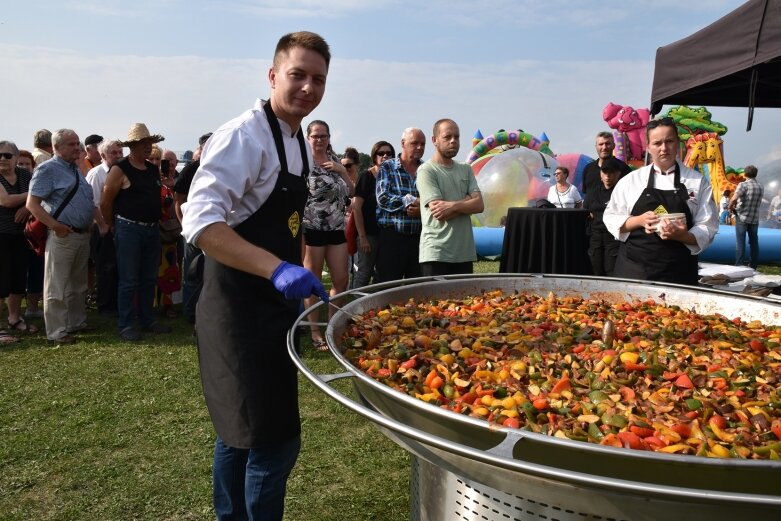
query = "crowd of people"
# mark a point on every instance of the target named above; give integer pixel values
(106, 244)
(246, 229)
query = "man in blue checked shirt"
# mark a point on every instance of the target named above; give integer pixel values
(398, 210)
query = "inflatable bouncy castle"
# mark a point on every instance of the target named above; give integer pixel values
(628, 125)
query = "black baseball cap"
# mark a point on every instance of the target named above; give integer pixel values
(93, 139)
(610, 164)
(204, 138)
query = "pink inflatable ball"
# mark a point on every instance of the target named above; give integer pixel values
(511, 179)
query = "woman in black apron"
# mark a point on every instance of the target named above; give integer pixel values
(249, 381)
(646, 256)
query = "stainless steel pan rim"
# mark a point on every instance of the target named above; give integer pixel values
(503, 440)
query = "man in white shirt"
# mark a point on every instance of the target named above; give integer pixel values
(651, 249)
(244, 210)
(102, 249)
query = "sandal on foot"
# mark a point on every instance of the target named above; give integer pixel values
(21, 325)
(5, 338)
(320, 344)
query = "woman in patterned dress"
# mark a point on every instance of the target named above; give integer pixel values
(330, 187)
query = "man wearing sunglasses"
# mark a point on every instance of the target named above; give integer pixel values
(653, 246)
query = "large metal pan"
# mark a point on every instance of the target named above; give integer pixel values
(587, 478)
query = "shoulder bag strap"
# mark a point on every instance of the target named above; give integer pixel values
(62, 206)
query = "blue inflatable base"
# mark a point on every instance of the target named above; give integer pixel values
(488, 242)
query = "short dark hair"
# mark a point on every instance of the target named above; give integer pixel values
(605, 134)
(661, 122)
(563, 169)
(440, 122)
(750, 171)
(306, 40)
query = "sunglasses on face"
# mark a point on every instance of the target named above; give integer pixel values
(384, 153)
(319, 137)
(660, 122)
(348, 165)
(6, 155)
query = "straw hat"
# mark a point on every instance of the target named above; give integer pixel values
(139, 132)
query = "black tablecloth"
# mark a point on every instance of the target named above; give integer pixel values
(545, 240)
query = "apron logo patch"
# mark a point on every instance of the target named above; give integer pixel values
(294, 223)
(660, 210)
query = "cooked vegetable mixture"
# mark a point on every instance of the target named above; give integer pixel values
(639, 375)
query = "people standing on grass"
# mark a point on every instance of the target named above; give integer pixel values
(365, 214)
(745, 202)
(102, 247)
(169, 276)
(667, 251)
(131, 206)
(14, 185)
(330, 188)
(245, 210)
(67, 246)
(449, 195)
(603, 247)
(398, 210)
(192, 279)
(34, 261)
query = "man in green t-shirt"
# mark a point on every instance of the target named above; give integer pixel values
(448, 196)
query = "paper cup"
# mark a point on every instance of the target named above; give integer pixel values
(665, 217)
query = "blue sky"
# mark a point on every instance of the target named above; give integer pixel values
(185, 67)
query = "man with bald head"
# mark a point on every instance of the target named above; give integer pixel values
(56, 183)
(398, 210)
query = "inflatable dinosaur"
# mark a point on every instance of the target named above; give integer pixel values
(631, 122)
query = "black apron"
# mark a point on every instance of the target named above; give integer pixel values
(249, 381)
(645, 256)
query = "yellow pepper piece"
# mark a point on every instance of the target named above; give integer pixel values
(629, 357)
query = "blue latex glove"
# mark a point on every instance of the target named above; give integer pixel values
(295, 282)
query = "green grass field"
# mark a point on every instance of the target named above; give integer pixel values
(108, 430)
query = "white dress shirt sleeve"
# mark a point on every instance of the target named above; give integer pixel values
(230, 168)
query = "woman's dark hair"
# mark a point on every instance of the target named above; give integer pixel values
(317, 122)
(352, 154)
(380, 144)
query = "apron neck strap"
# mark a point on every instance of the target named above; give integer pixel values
(676, 180)
(276, 133)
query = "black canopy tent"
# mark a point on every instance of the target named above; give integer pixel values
(734, 62)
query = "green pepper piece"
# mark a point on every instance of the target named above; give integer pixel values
(598, 396)
(615, 420)
(693, 404)
(765, 449)
(594, 432)
(530, 412)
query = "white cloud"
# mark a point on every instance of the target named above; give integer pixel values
(366, 100)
